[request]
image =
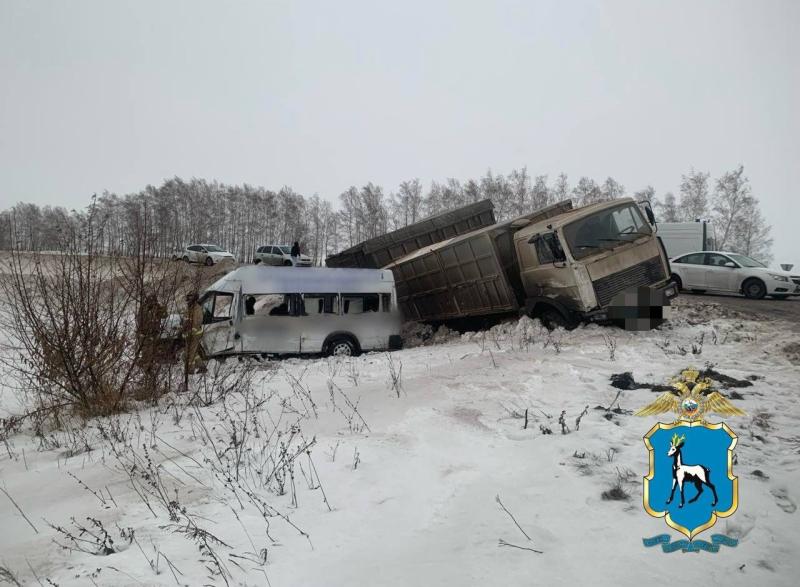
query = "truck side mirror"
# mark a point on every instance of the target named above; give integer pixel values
(651, 218)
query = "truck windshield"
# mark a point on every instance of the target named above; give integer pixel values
(605, 230)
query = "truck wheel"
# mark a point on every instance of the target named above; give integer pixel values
(552, 319)
(677, 281)
(186, 258)
(342, 346)
(209, 261)
(754, 289)
(287, 263)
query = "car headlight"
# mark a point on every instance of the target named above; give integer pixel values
(779, 277)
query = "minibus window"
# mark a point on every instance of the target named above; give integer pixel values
(359, 303)
(320, 304)
(260, 305)
(217, 307)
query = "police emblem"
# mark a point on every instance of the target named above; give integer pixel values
(690, 482)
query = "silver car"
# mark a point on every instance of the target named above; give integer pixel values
(206, 254)
(732, 273)
(280, 255)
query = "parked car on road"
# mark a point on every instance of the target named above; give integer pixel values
(722, 271)
(280, 255)
(206, 254)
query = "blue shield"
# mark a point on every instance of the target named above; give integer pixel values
(691, 481)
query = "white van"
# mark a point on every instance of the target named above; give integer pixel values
(279, 310)
(680, 238)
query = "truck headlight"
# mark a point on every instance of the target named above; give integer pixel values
(779, 277)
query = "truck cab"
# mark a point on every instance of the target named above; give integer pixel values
(580, 262)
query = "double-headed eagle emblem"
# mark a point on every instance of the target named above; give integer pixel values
(690, 399)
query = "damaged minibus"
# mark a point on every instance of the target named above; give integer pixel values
(260, 310)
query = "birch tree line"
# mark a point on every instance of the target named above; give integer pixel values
(242, 217)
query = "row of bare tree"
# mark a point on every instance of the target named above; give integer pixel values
(242, 217)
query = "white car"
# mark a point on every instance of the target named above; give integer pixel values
(206, 254)
(734, 273)
(280, 255)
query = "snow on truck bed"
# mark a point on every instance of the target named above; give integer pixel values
(402, 483)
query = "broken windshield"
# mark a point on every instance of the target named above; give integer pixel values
(605, 230)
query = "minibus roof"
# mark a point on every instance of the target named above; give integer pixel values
(263, 279)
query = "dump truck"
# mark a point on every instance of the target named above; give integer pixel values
(561, 264)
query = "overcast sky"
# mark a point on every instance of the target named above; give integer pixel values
(106, 95)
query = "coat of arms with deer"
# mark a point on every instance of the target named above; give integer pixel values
(690, 482)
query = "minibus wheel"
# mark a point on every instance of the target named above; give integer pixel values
(341, 347)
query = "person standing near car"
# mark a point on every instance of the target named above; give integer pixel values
(295, 252)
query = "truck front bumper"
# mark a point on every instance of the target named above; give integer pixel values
(661, 294)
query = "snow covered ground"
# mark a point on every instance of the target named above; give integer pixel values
(346, 477)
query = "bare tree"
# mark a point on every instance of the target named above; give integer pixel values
(472, 192)
(407, 203)
(732, 200)
(520, 185)
(751, 235)
(561, 188)
(586, 192)
(694, 195)
(497, 189)
(668, 209)
(541, 195)
(647, 193)
(612, 189)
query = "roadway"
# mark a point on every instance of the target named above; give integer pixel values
(788, 309)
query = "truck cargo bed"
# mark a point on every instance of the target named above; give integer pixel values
(453, 279)
(383, 250)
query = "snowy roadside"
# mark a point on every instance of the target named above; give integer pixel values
(401, 482)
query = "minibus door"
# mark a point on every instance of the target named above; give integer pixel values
(219, 313)
(319, 315)
(237, 322)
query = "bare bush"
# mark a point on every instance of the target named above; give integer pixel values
(617, 491)
(85, 327)
(395, 374)
(611, 345)
(8, 576)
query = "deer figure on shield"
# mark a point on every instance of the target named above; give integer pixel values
(699, 475)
